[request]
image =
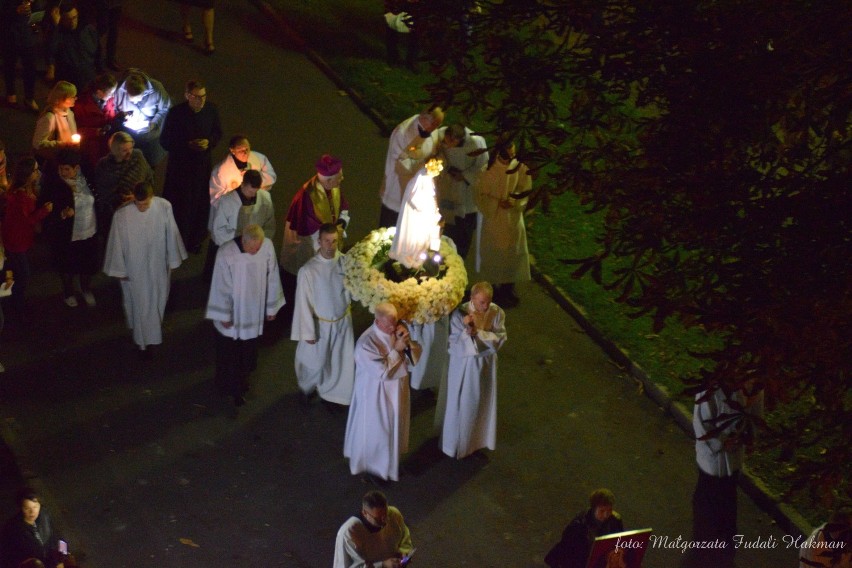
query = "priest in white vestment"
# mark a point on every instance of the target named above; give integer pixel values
(322, 324)
(247, 205)
(466, 413)
(144, 246)
(376, 537)
(245, 293)
(418, 229)
(502, 256)
(379, 416)
(409, 147)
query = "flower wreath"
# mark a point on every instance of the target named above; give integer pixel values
(421, 299)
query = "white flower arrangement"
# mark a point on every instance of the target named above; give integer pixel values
(422, 299)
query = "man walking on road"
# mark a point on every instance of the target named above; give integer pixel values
(377, 428)
(144, 247)
(322, 324)
(245, 292)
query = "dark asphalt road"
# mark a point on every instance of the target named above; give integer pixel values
(137, 457)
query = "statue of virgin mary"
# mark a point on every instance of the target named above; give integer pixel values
(417, 229)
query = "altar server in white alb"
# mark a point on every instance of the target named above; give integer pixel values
(245, 292)
(410, 145)
(379, 416)
(466, 413)
(247, 205)
(322, 324)
(502, 256)
(144, 246)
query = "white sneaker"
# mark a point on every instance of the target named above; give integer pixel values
(71, 302)
(90, 299)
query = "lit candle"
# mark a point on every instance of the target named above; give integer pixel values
(75, 138)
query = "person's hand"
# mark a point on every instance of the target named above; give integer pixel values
(24, 9)
(469, 325)
(311, 341)
(505, 204)
(6, 288)
(199, 144)
(54, 15)
(402, 338)
(390, 563)
(67, 212)
(270, 318)
(227, 324)
(48, 206)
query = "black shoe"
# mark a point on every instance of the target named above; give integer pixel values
(145, 354)
(306, 399)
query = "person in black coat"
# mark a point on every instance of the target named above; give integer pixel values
(192, 129)
(577, 538)
(72, 226)
(29, 534)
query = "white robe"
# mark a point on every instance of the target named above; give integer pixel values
(246, 288)
(456, 197)
(143, 248)
(229, 219)
(407, 152)
(226, 177)
(357, 547)
(466, 412)
(431, 370)
(417, 229)
(379, 416)
(321, 313)
(502, 256)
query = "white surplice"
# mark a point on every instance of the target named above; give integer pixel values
(379, 416)
(407, 152)
(431, 370)
(466, 412)
(322, 314)
(143, 248)
(246, 288)
(231, 216)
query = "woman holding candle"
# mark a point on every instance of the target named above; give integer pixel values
(56, 127)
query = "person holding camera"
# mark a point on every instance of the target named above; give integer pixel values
(377, 427)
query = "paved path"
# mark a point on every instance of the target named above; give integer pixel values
(138, 456)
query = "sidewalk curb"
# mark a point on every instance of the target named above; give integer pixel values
(786, 516)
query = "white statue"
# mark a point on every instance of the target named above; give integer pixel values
(417, 228)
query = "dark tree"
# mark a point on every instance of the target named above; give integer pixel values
(716, 137)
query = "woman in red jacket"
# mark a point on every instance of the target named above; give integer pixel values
(19, 226)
